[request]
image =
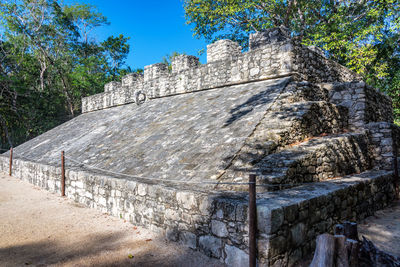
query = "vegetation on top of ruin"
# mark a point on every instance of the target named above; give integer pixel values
(361, 35)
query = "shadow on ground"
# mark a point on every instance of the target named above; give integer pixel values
(96, 250)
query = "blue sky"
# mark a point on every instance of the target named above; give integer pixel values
(156, 28)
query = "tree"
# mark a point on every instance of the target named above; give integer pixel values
(116, 50)
(49, 60)
(86, 18)
(363, 35)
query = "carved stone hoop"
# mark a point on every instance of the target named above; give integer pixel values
(140, 97)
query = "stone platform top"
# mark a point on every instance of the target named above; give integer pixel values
(185, 137)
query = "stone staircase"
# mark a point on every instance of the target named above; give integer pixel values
(318, 159)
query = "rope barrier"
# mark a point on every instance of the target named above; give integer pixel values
(80, 164)
(184, 182)
(156, 179)
(140, 93)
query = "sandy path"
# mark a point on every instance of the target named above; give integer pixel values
(38, 228)
(383, 229)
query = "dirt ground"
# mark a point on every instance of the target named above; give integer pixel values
(38, 228)
(383, 229)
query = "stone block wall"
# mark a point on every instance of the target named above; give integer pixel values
(210, 222)
(312, 66)
(217, 223)
(274, 35)
(382, 138)
(184, 62)
(299, 216)
(365, 104)
(319, 159)
(112, 86)
(226, 66)
(155, 71)
(223, 50)
(132, 80)
(378, 106)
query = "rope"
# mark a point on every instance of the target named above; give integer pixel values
(156, 179)
(186, 182)
(80, 164)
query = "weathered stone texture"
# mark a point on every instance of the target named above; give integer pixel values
(381, 135)
(155, 71)
(275, 35)
(222, 50)
(322, 143)
(299, 215)
(186, 138)
(112, 86)
(288, 221)
(227, 67)
(132, 80)
(184, 62)
(364, 103)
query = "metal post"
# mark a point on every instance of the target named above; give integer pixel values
(396, 171)
(252, 221)
(62, 174)
(11, 160)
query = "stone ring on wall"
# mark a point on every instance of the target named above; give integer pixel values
(140, 97)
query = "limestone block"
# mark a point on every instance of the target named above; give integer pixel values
(218, 228)
(212, 246)
(184, 62)
(142, 189)
(298, 233)
(172, 215)
(155, 71)
(269, 221)
(187, 200)
(188, 239)
(112, 86)
(235, 257)
(269, 36)
(131, 79)
(222, 50)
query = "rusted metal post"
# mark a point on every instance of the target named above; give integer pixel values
(396, 170)
(62, 174)
(11, 160)
(252, 221)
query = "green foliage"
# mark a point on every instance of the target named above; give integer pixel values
(116, 50)
(168, 59)
(48, 62)
(362, 35)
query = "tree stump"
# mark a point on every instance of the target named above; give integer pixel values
(324, 251)
(344, 249)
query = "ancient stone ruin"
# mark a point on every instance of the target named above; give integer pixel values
(169, 150)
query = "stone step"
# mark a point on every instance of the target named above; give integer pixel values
(291, 124)
(315, 160)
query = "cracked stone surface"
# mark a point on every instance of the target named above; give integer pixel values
(184, 137)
